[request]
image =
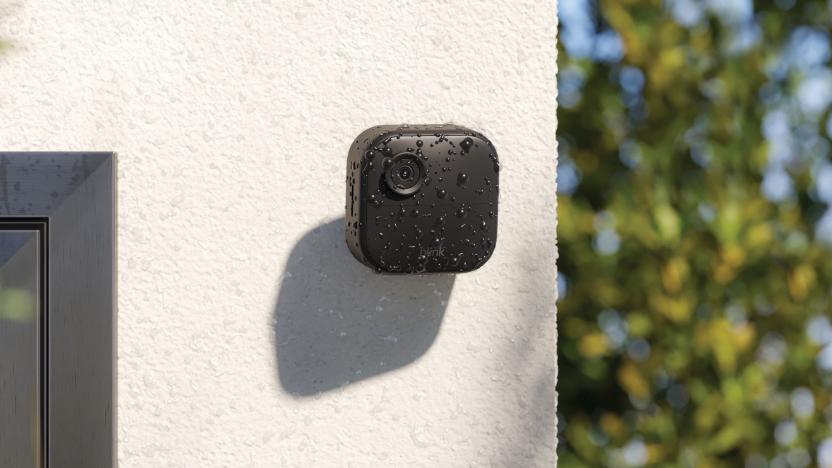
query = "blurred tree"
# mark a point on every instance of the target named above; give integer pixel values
(695, 279)
(6, 8)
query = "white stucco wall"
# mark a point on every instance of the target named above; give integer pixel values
(232, 121)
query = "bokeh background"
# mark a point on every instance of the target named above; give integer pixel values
(695, 233)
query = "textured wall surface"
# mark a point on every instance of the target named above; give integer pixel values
(247, 334)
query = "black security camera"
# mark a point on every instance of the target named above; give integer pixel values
(422, 198)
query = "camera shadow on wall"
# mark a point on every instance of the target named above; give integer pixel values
(337, 322)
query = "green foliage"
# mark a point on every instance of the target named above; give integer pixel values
(17, 305)
(688, 295)
(6, 8)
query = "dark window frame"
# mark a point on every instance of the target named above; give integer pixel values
(70, 198)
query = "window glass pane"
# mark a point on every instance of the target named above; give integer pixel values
(19, 349)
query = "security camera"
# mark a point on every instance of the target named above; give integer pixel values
(422, 198)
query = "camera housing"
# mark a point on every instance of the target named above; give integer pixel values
(422, 198)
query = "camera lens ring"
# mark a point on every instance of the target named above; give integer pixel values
(405, 173)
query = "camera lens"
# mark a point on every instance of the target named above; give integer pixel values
(404, 174)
